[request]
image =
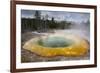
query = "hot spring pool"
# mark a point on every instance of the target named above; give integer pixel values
(55, 41)
(57, 45)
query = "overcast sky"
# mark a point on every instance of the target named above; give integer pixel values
(58, 15)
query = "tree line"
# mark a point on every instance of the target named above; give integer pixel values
(42, 24)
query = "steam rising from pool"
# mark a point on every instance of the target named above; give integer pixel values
(55, 41)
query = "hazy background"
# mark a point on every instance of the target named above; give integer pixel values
(43, 21)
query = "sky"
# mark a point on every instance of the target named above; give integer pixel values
(58, 15)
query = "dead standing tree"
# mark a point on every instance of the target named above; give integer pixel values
(38, 20)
